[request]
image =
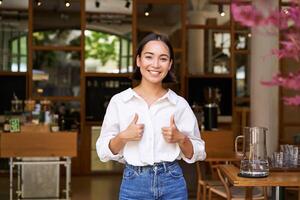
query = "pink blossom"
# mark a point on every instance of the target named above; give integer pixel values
(246, 15)
(291, 81)
(294, 13)
(292, 101)
(287, 20)
(279, 19)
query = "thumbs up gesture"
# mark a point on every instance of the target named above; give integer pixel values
(171, 133)
(134, 131)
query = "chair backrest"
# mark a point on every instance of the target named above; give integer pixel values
(217, 142)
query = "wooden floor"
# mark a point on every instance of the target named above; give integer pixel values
(94, 188)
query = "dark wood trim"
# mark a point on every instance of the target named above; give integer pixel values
(160, 1)
(290, 124)
(4, 73)
(203, 26)
(183, 64)
(56, 48)
(30, 51)
(134, 29)
(225, 76)
(232, 64)
(57, 98)
(95, 74)
(178, 50)
(242, 51)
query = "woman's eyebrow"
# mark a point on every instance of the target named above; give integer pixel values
(148, 52)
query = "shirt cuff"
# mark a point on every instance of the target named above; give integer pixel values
(104, 152)
(199, 151)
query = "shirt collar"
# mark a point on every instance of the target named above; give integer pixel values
(129, 93)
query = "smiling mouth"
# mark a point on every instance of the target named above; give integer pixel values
(154, 72)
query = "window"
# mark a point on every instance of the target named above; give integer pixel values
(107, 53)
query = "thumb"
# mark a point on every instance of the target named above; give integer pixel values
(172, 121)
(135, 119)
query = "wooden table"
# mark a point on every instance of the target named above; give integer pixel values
(275, 179)
(222, 157)
(38, 141)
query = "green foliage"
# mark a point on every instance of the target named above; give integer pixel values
(101, 46)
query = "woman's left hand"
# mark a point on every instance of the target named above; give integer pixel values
(172, 134)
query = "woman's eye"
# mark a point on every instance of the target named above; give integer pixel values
(164, 59)
(148, 57)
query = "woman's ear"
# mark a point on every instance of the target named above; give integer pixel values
(138, 61)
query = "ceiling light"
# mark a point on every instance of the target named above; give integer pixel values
(0, 2)
(67, 3)
(148, 9)
(127, 4)
(97, 3)
(221, 10)
(38, 2)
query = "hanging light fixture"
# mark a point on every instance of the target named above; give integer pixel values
(97, 3)
(0, 2)
(221, 10)
(127, 4)
(67, 3)
(148, 9)
(38, 2)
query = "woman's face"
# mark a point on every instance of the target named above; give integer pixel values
(154, 61)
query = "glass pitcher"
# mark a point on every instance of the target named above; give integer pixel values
(255, 160)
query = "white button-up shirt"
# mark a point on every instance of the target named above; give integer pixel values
(152, 148)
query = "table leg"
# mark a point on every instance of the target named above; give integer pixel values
(10, 178)
(278, 193)
(68, 178)
(248, 193)
(19, 181)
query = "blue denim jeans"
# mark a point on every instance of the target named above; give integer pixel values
(162, 181)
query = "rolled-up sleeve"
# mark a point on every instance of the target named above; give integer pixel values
(110, 128)
(188, 125)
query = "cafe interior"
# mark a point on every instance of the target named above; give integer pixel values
(62, 60)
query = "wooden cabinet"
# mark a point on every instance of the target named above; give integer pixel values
(38, 141)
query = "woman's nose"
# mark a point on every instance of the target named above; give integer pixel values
(155, 63)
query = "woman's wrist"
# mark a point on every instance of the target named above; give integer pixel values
(182, 139)
(121, 139)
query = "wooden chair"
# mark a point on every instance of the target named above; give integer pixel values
(215, 142)
(203, 183)
(235, 193)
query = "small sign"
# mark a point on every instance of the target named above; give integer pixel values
(14, 125)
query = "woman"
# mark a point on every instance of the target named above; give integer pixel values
(150, 127)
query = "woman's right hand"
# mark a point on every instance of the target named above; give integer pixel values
(133, 132)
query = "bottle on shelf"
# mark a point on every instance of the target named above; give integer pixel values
(6, 124)
(54, 127)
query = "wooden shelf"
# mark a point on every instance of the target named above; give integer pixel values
(204, 26)
(241, 51)
(160, 1)
(56, 48)
(95, 74)
(3, 73)
(226, 76)
(57, 98)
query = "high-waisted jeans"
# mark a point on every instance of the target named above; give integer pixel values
(162, 181)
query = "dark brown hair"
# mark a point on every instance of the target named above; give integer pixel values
(170, 77)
